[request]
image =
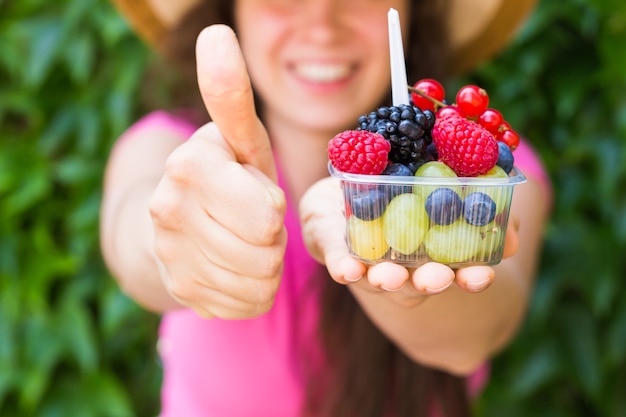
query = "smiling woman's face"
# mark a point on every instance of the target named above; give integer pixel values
(318, 64)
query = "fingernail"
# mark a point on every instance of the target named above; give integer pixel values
(433, 291)
(390, 290)
(351, 279)
(477, 286)
(277, 194)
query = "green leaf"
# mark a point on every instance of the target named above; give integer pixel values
(582, 348)
(34, 187)
(42, 351)
(46, 41)
(95, 395)
(540, 367)
(616, 339)
(80, 58)
(8, 348)
(78, 337)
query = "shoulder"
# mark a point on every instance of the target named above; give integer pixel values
(161, 121)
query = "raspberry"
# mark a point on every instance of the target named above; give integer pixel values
(359, 152)
(465, 146)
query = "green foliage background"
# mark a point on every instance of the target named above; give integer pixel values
(72, 345)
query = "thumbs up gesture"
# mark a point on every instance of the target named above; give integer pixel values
(217, 212)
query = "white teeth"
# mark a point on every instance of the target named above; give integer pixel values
(322, 73)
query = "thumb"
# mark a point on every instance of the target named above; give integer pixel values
(227, 94)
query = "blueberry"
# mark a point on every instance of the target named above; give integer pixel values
(398, 170)
(414, 165)
(505, 157)
(479, 209)
(368, 203)
(443, 206)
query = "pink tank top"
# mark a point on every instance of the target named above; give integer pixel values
(250, 368)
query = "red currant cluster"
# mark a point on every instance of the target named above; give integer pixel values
(471, 103)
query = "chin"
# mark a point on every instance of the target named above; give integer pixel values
(332, 116)
(330, 122)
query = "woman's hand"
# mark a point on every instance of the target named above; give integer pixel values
(324, 233)
(217, 212)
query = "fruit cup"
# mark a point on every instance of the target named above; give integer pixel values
(411, 220)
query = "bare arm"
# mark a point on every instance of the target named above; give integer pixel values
(133, 171)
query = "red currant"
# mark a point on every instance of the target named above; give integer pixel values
(510, 137)
(431, 88)
(472, 100)
(491, 119)
(448, 111)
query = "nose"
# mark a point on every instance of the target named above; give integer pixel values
(321, 19)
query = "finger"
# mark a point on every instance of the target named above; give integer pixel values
(204, 285)
(227, 94)
(342, 266)
(255, 209)
(475, 278)
(387, 276)
(432, 278)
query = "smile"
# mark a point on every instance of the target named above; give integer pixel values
(323, 73)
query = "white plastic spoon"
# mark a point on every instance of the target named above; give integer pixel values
(399, 93)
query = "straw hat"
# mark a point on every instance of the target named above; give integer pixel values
(478, 29)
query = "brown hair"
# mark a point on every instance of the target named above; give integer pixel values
(367, 375)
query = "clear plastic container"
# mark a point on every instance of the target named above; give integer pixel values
(413, 220)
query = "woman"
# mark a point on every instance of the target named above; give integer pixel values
(206, 228)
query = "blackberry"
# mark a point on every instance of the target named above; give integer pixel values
(408, 130)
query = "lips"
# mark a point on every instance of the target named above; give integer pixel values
(323, 73)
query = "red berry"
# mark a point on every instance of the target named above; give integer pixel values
(491, 119)
(359, 152)
(472, 100)
(504, 126)
(448, 111)
(510, 137)
(431, 88)
(465, 146)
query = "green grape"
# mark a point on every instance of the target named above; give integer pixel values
(366, 237)
(495, 172)
(455, 243)
(434, 169)
(492, 243)
(405, 223)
